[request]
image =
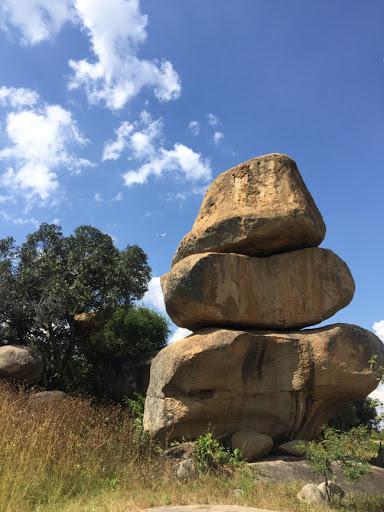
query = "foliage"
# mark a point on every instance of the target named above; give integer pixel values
(211, 455)
(378, 367)
(350, 451)
(361, 412)
(51, 278)
(146, 330)
(109, 340)
(136, 407)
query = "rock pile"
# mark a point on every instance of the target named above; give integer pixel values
(248, 273)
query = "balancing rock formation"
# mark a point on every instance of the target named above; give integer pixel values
(246, 279)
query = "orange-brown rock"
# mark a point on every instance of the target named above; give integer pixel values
(284, 291)
(285, 385)
(258, 208)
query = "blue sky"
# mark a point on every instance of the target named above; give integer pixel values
(119, 113)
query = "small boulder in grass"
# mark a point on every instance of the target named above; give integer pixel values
(179, 451)
(46, 397)
(295, 448)
(251, 444)
(334, 490)
(186, 470)
(311, 495)
(237, 493)
(21, 363)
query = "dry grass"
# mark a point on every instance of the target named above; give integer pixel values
(74, 457)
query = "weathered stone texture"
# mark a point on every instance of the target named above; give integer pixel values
(290, 290)
(258, 208)
(251, 444)
(21, 363)
(285, 385)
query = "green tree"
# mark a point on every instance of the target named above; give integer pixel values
(350, 451)
(111, 342)
(361, 412)
(130, 331)
(51, 278)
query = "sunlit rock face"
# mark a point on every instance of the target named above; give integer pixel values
(285, 385)
(246, 279)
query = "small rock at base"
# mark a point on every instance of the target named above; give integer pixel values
(311, 494)
(179, 451)
(186, 469)
(295, 448)
(46, 397)
(251, 444)
(237, 493)
(335, 490)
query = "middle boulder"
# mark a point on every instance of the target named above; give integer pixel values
(285, 291)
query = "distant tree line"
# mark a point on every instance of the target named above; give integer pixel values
(75, 299)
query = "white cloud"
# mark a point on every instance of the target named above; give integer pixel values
(142, 140)
(17, 97)
(154, 296)
(213, 120)
(98, 197)
(113, 149)
(179, 334)
(180, 159)
(35, 20)
(378, 394)
(194, 127)
(180, 197)
(217, 137)
(19, 221)
(116, 30)
(139, 138)
(40, 141)
(118, 197)
(378, 328)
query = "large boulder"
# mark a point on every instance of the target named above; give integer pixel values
(21, 363)
(285, 385)
(259, 207)
(284, 291)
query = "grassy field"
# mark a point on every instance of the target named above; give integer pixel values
(74, 457)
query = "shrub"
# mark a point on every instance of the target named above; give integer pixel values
(350, 451)
(211, 455)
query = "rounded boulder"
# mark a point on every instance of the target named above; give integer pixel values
(251, 444)
(21, 363)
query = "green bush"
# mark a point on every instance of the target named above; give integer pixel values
(211, 455)
(361, 412)
(350, 451)
(129, 331)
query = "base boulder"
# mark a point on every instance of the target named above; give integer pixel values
(285, 385)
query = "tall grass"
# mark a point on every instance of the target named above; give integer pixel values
(73, 456)
(52, 452)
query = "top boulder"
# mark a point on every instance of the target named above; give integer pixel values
(258, 208)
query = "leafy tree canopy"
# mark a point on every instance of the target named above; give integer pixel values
(361, 412)
(51, 278)
(147, 330)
